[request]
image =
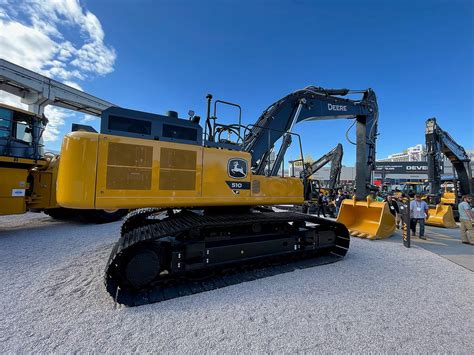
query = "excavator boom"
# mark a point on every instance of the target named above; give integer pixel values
(334, 156)
(439, 143)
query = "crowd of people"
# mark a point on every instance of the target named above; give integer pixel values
(330, 204)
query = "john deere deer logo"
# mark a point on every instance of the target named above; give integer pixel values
(237, 168)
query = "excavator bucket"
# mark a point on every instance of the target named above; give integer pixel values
(367, 219)
(441, 216)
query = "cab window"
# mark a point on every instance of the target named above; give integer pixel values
(23, 132)
(5, 122)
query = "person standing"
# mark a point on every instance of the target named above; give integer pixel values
(418, 213)
(340, 197)
(321, 204)
(466, 218)
(393, 206)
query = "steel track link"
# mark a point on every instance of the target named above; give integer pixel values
(214, 278)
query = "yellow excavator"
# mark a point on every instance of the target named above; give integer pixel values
(27, 173)
(443, 209)
(203, 199)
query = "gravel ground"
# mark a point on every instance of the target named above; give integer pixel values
(381, 298)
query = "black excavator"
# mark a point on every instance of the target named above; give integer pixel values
(443, 207)
(208, 221)
(313, 187)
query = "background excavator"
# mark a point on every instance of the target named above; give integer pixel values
(313, 186)
(443, 209)
(28, 174)
(206, 195)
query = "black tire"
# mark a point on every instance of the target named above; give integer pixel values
(60, 213)
(103, 216)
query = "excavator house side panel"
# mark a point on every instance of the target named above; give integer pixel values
(276, 187)
(371, 220)
(13, 187)
(218, 184)
(441, 216)
(135, 173)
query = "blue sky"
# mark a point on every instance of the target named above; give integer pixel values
(164, 55)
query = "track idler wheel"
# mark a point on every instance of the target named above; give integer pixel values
(141, 267)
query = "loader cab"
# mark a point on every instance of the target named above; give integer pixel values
(21, 133)
(414, 188)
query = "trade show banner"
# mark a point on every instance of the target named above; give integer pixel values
(403, 167)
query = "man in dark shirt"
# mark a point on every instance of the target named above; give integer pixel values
(321, 205)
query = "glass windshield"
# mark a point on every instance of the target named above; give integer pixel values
(5, 122)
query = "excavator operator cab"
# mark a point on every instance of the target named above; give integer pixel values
(21, 133)
(315, 188)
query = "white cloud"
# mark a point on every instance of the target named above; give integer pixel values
(57, 118)
(73, 84)
(88, 118)
(12, 100)
(58, 38)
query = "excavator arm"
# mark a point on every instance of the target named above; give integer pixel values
(362, 216)
(439, 142)
(310, 104)
(335, 158)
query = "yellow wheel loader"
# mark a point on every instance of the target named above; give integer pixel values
(443, 208)
(207, 197)
(27, 174)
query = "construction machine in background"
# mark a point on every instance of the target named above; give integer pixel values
(27, 173)
(313, 187)
(207, 198)
(443, 209)
(409, 189)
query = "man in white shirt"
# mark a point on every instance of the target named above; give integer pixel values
(418, 213)
(466, 219)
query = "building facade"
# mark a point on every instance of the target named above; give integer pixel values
(416, 153)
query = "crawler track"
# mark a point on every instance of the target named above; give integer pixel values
(161, 257)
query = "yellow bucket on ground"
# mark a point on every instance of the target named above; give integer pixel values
(441, 216)
(367, 219)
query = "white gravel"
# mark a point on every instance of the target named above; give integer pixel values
(381, 298)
